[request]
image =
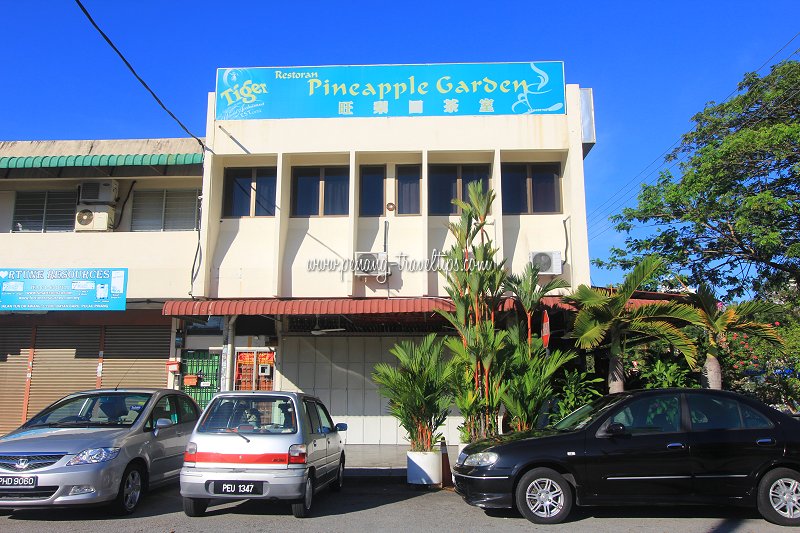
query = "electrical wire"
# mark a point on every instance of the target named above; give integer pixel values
(600, 213)
(751, 121)
(136, 75)
(754, 119)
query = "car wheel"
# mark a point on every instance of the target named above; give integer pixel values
(302, 509)
(195, 506)
(779, 496)
(130, 490)
(543, 496)
(336, 486)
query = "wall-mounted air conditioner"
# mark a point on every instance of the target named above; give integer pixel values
(371, 264)
(98, 192)
(547, 262)
(94, 218)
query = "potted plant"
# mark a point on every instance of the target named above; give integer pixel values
(419, 394)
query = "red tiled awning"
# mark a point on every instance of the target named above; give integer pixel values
(322, 306)
(326, 306)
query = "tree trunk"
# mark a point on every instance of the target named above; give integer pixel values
(712, 373)
(616, 372)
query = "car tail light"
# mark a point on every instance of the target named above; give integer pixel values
(190, 454)
(297, 454)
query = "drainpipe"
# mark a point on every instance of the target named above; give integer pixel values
(228, 349)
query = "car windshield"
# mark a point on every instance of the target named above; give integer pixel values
(250, 414)
(93, 410)
(583, 416)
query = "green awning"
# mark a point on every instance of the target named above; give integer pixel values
(101, 160)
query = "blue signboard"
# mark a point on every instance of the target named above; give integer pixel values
(63, 289)
(391, 90)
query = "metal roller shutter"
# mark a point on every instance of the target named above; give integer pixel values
(14, 345)
(64, 361)
(136, 356)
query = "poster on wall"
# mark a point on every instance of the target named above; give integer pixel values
(534, 88)
(63, 289)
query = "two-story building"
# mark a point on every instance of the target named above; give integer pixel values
(312, 243)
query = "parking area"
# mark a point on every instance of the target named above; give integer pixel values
(376, 504)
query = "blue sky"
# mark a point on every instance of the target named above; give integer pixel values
(652, 65)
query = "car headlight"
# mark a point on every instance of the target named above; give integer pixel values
(94, 455)
(481, 459)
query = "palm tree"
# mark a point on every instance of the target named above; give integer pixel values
(418, 389)
(718, 321)
(605, 320)
(529, 293)
(529, 378)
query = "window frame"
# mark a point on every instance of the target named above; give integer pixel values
(459, 185)
(529, 195)
(253, 191)
(321, 191)
(360, 190)
(397, 168)
(164, 192)
(44, 208)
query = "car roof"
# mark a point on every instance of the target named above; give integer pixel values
(134, 390)
(239, 393)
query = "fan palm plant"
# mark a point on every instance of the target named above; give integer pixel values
(718, 321)
(607, 321)
(418, 389)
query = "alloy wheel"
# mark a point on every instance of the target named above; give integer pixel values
(784, 496)
(544, 497)
(132, 489)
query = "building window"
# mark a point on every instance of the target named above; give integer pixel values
(371, 191)
(166, 210)
(249, 192)
(408, 178)
(448, 182)
(324, 190)
(531, 188)
(44, 211)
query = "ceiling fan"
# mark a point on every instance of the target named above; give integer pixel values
(322, 331)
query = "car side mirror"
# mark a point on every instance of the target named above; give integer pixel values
(341, 426)
(615, 429)
(162, 423)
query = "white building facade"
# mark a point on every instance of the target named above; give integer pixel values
(307, 170)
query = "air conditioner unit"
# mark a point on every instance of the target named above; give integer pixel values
(94, 218)
(371, 264)
(547, 262)
(99, 192)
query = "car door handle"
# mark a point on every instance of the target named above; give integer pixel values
(766, 442)
(675, 446)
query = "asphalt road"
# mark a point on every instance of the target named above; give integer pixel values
(368, 505)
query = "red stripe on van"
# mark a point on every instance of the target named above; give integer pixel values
(243, 458)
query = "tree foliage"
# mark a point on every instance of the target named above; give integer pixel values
(418, 389)
(731, 216)
(606, 321)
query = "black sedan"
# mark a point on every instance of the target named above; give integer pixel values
(654, 447)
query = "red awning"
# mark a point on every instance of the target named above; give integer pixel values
(355, 306)
(322, 306)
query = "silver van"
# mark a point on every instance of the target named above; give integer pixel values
(265, 445)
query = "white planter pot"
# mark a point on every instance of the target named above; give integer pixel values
(424, 468)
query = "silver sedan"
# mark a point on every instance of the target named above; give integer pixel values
(100, 446)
